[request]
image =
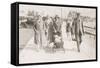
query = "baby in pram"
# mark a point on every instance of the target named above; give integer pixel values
(58, 43)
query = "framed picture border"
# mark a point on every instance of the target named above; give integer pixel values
(15, 33)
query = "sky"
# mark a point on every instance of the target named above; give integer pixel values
(53, 10)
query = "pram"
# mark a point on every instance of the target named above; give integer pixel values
(57, 44)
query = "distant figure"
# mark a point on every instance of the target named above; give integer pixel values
(68, 29)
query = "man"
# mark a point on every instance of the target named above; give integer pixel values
(57, 24)
(36, 28)
(77, 30)
(50, 31)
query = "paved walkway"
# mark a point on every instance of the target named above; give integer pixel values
(31, 53)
